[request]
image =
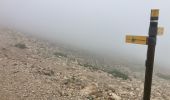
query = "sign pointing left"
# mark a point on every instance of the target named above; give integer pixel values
(136, 39)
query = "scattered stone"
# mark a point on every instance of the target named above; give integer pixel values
(36, 74)
(113, 96)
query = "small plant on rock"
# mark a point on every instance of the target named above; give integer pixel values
(163, 76)
(117, 73)
(21, 46)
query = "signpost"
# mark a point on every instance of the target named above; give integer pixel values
(151, 42)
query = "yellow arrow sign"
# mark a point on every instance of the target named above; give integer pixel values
(160, 31)
(136, 39)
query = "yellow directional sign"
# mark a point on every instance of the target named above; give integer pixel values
(160, 31)
(136, 39)
(155, 13)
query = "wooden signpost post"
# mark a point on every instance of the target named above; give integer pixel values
(151, 42)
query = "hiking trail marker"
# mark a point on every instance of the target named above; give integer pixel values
(136, 39)
(151, 42)
(160, 31)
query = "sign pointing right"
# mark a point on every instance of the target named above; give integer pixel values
(160, 31)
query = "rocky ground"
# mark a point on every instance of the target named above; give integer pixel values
(29, 70)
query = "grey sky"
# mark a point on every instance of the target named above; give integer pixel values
(99, 25)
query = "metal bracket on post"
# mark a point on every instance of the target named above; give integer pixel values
(151, 41)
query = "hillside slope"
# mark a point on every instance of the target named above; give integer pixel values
(29, 70)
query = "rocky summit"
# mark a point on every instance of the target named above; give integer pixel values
(34, 69)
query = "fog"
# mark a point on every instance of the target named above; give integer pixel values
(96, 25)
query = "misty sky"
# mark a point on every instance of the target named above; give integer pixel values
(98, 25)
